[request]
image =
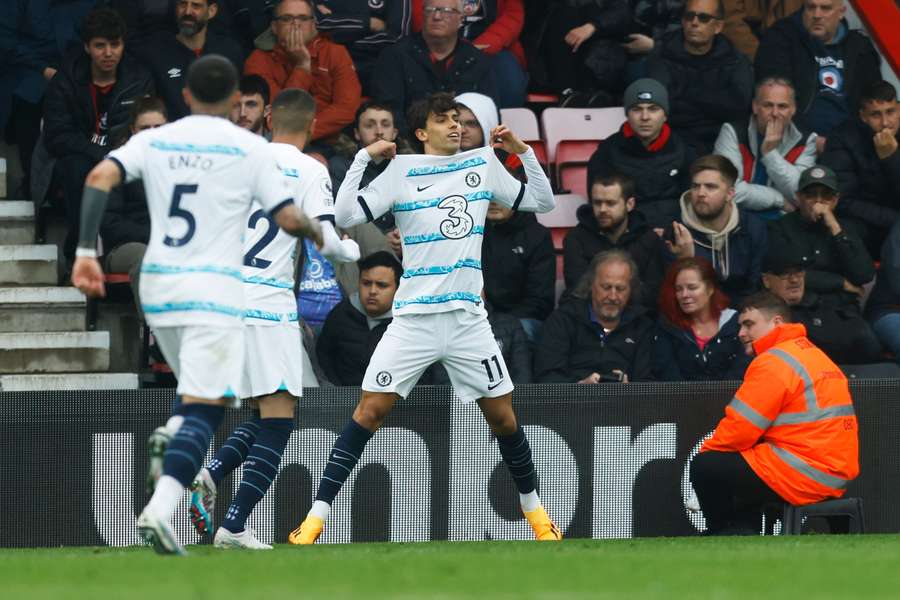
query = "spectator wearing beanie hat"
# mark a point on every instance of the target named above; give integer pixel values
(647, 150)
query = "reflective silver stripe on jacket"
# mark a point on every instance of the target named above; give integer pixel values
(800, 465)
(813, 412)
(749, 413)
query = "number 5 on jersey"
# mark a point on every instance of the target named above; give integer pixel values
(175, 210)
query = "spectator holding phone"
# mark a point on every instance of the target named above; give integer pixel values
(598, 336)
(697, 336)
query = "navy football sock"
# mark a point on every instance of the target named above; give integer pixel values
(235, 450)
(260, 470)
(516, 454)
(344, 456)
(186, 450)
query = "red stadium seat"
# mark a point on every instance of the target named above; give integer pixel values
(571, 165)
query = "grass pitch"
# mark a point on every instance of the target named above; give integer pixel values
(799, 568)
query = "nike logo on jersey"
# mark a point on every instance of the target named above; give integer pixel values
(492, 386)
(422, 188)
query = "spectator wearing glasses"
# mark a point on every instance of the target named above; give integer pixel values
(709, 81)
(493, 26)
(838, 264)
(303, 59)
(435, 60)
(840, 332)
(827, 61)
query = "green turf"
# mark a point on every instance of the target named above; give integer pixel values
(800, 568)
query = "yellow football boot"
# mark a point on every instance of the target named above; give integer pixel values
(308, 532)
(545, 530)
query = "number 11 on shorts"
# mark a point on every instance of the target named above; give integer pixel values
(490, 372)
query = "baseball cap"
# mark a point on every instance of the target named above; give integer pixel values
(646, 90)
(818, 175)
(778, 261)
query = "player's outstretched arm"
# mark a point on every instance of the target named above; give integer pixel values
(87, 275)
(295, 222)
(352, 205)
(335, 249)
(538, 195)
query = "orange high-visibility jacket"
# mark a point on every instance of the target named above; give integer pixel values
(792, 419)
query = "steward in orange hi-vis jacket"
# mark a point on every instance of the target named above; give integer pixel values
(789, 434)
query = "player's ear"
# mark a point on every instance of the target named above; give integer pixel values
(421, 135)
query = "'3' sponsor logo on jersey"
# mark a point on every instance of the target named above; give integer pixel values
(460, 222)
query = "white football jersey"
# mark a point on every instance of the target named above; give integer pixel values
(201, 174)
(439, 204)
(268, 264)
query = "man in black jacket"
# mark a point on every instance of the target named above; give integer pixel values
(519, 266)
(647, 150)
(355, 326)
(88, 106)
(827, 62)
(611, 221)
(708, 80)
(838, 263)
(863, 153)
(840, 331)
(883, 306)
(169, 56)
(598, 337)
(435, 60)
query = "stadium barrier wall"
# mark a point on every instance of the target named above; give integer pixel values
(612, 459)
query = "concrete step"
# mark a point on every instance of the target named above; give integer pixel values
(28, 265)
(41, 309)
(56, 352)
(16, 222)
(69, 382)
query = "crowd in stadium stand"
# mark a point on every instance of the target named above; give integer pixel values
(759, 150)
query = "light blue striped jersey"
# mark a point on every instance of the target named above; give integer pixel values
(201, 174)
(439, 205)
(268, 266)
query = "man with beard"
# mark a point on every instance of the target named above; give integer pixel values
(712, 226)
(611, 221)
(598, 337)
(168, 57)
(251, 110)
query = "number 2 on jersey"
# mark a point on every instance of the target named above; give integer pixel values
(460, 222)
(250, 259)
(175, 210)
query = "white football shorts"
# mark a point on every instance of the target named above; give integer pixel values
(273, 360)
(207, 361)
(462, 341)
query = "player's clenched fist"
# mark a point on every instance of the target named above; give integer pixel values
(503, 137)
(87, 276)
(382, 148)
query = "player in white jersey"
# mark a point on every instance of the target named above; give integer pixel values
(439, 200)
(201, 174)
(272, 375)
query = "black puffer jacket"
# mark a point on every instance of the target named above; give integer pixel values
(406, 74)
(519, 267)
(870, 187)
(787, 50)
(345, 345)
(572, 346)
(656, 18)
(69, 117)
(126, 218)
(704, 91)
(514, 344)
(585, 241)
(660, 173)
(677, 357)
